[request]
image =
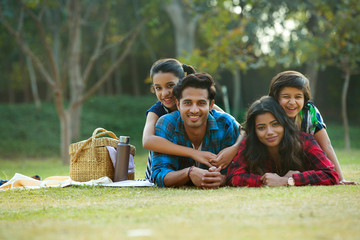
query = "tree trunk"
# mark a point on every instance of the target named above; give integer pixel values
(113, 80)
(311, 72)
(134, 76)
(24, 80)
(76, 82)
(184, 26)
(98, 72)
(109, 88)
(118, 81)
(65, 139)
(225, 97)
(33, 84)
(237, 102)
(117, 74)
(11, 93)
(344, 109)
(143, 37)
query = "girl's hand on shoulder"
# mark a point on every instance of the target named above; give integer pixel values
(204, 157)
(273, 180)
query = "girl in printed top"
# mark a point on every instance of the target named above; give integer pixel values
(276, 153)
(165, 74)
(292, 90)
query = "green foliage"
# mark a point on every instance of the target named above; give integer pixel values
(28, 132)
(338, 42)
(124, 115)
(228, 40)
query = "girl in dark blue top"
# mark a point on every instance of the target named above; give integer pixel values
(165, 74)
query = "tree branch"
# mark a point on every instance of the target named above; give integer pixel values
(43, 38)
(111, 69)
(27, 50)
(21, 20)
(96, 52)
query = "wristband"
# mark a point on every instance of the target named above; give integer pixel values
(190, 169)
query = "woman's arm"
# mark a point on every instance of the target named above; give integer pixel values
(323, 140)
(321, 170)
(149, 129)
(217, 108)
(159, 144)
(225, 156)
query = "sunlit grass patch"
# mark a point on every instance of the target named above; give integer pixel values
(310, 212)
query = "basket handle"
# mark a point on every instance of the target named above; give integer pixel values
(104, 132)
(92, 139)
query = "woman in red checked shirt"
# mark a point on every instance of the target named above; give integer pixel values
(275, 153)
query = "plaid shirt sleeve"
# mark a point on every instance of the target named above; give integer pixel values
(237, 174)
(322, 170)
(162, 163)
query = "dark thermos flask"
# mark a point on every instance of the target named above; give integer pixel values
(122, 159)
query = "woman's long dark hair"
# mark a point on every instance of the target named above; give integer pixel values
(290, 148)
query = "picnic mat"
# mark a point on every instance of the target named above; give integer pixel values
(20, 181)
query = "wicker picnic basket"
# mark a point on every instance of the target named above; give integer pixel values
(89, 159)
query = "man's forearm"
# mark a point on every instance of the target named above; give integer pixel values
(176, 178)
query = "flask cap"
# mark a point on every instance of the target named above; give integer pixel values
(124, 139)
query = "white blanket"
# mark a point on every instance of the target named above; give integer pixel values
(20, 181)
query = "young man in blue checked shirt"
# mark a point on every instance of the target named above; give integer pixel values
(195, 125)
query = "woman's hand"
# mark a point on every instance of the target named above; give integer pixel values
(290, 173)
(224, 157)
(273, 180)
(203, 157)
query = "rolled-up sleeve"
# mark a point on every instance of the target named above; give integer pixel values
(322, 170)
(162, 163)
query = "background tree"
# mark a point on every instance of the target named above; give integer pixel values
(66, 73)
(233, 32)
(184, 18)
(341, 47)
(243, 43)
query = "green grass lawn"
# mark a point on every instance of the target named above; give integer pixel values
(312, 212)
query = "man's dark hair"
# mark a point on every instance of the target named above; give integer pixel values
(196, 80)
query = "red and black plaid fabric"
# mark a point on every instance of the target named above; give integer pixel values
(320, 170)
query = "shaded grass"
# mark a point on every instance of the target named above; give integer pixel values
(311, 212)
